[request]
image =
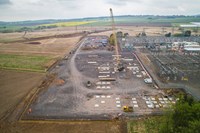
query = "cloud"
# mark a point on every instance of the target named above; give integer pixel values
(65, 9)
(5, 2)
(116, 2)
(122, 2)
(71, 4)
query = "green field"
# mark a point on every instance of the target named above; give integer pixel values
(9, 40)
(176, 21)
(145, 125)
(22, 26)
(24, 62)
(8, 29)
(68, 24)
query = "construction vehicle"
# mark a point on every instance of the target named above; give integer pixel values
(127, 108)
(148, 80)
(118, 63)
(88, 83)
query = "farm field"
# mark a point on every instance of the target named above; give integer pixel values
(148, 20)
(53, 46)
(18, 36)
(27, 56)
(67, 24)
(24, 62)
(63, 127)
(145, 20)
(134, 30)
(15, 86)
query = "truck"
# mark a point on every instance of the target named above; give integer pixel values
(148, 80)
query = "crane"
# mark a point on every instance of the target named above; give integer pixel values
(119, 66)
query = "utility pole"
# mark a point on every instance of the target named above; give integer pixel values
(172, 30)
(163, 30)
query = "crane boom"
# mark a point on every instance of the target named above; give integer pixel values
(115, 38)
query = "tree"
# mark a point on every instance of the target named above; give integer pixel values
(178, 35)
(168, 34)
(185, 117)
(194, 126)
(143, 34)
(112, 40)
(187, 33)
(195, 30)
(126, 34)
(119, 34)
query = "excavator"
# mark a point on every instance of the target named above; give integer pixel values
(120, 66)
(127, 108)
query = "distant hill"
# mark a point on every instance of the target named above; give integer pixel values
(123, 18)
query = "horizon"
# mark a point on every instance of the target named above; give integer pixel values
(143, 15)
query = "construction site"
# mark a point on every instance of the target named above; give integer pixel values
(100, 81)
(104, 74)
(174, 62)
(90, 86)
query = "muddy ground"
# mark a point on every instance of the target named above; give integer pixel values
(63, 127)
(14, 86)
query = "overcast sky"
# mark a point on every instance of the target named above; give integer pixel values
(12, 10)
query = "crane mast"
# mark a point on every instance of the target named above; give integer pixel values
(115, 38)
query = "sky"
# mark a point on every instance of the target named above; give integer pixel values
(18, 10)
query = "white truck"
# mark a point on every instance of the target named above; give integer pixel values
(148, 80)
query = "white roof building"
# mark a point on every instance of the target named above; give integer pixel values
(192, 25)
